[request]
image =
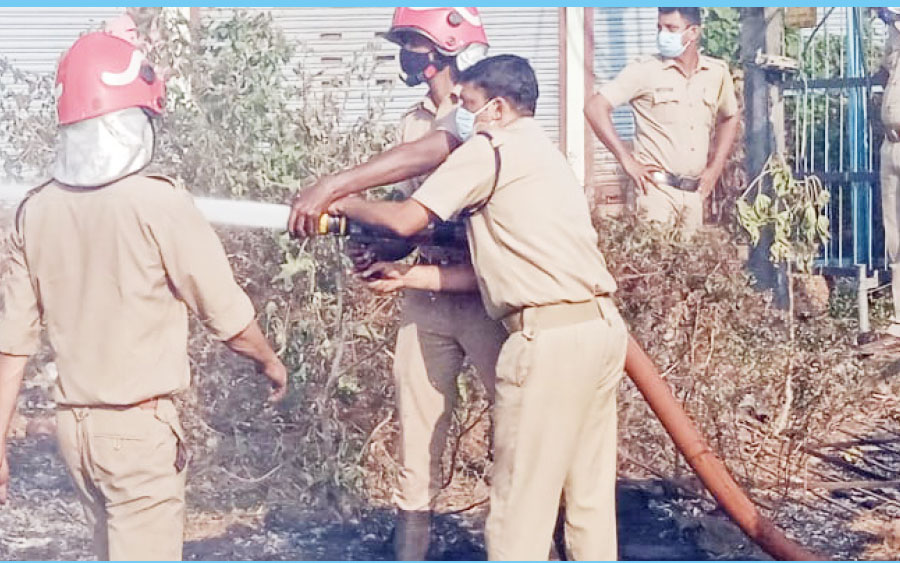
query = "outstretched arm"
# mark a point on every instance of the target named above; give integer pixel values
(405, 218)
(388, 277)
(403, 162)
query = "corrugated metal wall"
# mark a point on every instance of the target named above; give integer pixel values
(331, 36)
(620, 36)
(533, 33)
(34, 38)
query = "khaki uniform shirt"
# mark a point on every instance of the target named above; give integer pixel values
(674, 114)
(421, 119)
(111, 273)
(533, 244)
(890, 104)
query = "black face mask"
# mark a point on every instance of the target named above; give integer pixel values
(413, 65)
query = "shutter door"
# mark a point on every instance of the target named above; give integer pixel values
(533, 33)
(32, 39)
(329, 38)
(620, 36)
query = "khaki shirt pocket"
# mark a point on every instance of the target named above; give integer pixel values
(665, 104)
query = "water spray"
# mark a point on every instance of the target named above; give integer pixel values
(710, 469)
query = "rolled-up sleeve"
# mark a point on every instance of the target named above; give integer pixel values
(728, 103)
(626, 86)
(197, 267)
(20, 319)
(464, 180)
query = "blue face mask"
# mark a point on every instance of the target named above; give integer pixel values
(669, 44)
(465, 121)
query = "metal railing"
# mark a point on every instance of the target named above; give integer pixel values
(834, 132)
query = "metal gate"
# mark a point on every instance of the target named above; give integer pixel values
(833, 129)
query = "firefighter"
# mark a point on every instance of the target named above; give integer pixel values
(110, 261)
(438, 330)
(681, 99)
(536, 262)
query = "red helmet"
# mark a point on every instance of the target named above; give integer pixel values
(102, 73)
(456, 32)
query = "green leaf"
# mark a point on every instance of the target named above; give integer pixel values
(823, 226)
(762, 205)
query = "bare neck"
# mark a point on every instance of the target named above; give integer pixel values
(440, 86)
(689, 60)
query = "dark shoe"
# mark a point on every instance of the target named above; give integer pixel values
(411, 535)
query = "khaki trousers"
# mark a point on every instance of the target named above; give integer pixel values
(555, 433)
(665, 204)
(890, 210)
(123, 465)
(438, 331)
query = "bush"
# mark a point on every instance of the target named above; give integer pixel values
(727, 353)
(243, 121)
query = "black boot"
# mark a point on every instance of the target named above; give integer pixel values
(411, 535)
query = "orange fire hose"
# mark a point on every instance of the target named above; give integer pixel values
(706, 465)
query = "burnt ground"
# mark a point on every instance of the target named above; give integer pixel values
(44, 521)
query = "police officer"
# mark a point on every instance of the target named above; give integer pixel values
(890, 173)
(536, 262)
(438, 329)
(679, 99)
(110, 261)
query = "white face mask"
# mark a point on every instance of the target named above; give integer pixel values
(670, 43)
(97, 151)
(465, 120)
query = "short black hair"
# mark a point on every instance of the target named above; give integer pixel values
(508, 77)
(691, 15)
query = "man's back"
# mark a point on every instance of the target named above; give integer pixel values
(112, 269)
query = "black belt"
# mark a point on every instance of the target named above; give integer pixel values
(684, 183)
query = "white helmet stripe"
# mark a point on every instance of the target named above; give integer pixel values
(470, 17)
(466, 14)
(128, 75)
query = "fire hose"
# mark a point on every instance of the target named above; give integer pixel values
(711, 471)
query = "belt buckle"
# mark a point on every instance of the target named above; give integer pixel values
(660, 177)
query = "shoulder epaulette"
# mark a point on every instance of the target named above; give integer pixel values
(20, 210)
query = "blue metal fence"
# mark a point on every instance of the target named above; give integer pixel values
(834, 132)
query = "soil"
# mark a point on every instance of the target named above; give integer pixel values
(43, 521)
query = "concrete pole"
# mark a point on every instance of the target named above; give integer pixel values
(575, 90)
(774, 44)
(759, 136)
